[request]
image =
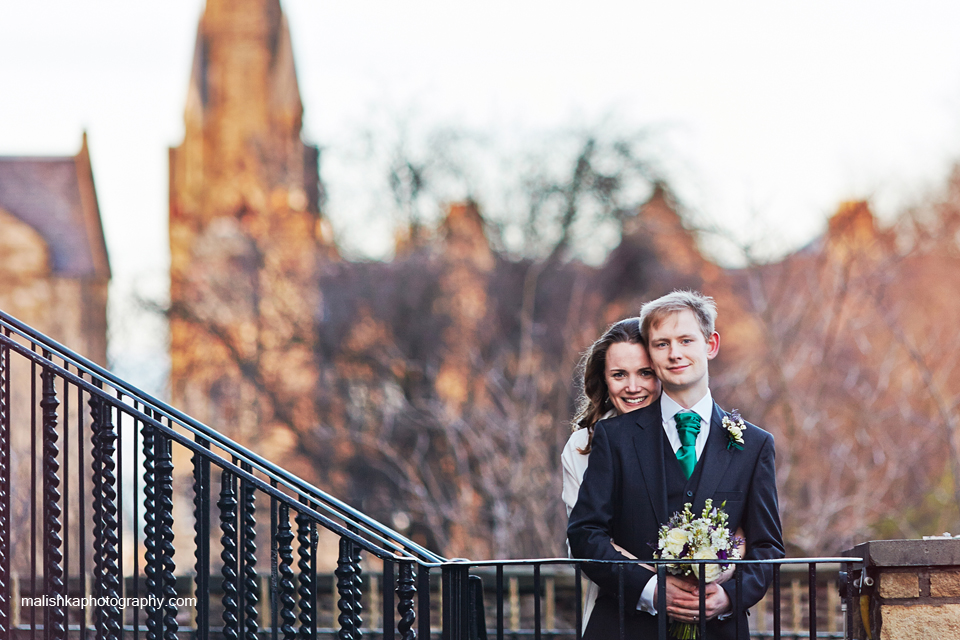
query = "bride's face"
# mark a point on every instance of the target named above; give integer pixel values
(631, 382)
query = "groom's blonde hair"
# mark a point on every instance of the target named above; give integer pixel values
(656, 311)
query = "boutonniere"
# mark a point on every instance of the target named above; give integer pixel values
(733, 425)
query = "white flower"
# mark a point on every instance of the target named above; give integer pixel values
(674, 542)
(701, 530)
(712, 571)
(734, 426)
(720, 539)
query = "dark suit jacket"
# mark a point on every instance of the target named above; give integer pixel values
(624, 498)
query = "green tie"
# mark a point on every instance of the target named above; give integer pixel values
(688, 426)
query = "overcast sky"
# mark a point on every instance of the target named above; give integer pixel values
(773, 111)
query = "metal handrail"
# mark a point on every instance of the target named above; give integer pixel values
(322, 499)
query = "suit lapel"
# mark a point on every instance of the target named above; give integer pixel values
(715, 459)
(648, 445)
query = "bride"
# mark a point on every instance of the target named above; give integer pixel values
(617, 379)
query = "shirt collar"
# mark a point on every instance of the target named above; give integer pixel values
(669, 407)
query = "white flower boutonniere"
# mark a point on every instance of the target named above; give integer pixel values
(733, 424)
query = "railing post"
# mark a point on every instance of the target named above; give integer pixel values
(513, 587)
(285, 573)
(776, 602)
(812, 599)
(621, 622)
(165, 531)
(537, 623)
(662, 601)
(405, 593)
(106, 525)
(308, 577)
(54, 586)
(702, 586)
(455, 602)
(201, 519)
(577, 598)
(271, 590)
(738, 604)
(388, 588)
(6, 582)
(476, 615)
(150, 570)
(248, 557)
(348, 589)
(423, 602)
(849, 599)
(228, 525)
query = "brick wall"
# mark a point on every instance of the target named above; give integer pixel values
(911, 589)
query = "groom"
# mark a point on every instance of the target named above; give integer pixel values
(646, 464)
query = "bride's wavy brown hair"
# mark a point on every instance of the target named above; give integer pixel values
(594, 400)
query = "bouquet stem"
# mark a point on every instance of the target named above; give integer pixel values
(684, 631)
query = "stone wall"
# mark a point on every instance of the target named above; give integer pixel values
(909, 589)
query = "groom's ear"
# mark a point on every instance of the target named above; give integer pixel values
(713, 346)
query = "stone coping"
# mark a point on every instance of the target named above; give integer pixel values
(908, 553)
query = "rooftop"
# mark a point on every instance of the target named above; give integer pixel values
(56, 196)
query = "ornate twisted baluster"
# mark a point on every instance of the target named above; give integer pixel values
(305, 538)
(105, 522)
(165, 535)
(344, 574)
(356, 589)
(405, 593)
(285, 552)
(5, 529)
(110, 565)
(228, 525)
(150, 530)
(249, 520)
(54, 616)
(348, 589)
(96, 464)
(201, 519)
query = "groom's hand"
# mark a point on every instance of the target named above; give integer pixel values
(683, 600)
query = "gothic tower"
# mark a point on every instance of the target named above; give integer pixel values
(246, 234)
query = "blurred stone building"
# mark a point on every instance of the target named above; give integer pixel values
(245, 230)
(54, 269)
(54, 273)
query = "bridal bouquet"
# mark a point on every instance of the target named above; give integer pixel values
(705, 538)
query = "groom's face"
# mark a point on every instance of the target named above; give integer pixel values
(680, 352)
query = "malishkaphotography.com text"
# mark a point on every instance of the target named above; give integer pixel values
(93, 601)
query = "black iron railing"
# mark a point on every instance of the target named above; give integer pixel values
(96, 524)
(825, 610)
